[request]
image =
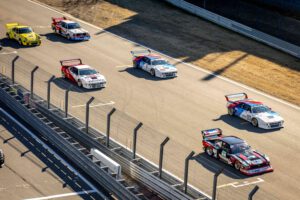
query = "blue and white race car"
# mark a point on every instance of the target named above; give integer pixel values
(253, 111)
(153, 64)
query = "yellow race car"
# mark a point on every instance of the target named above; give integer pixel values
(23, 34)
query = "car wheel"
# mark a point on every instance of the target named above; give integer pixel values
(237, 165)
(254, 122)
(135, 65)
(68, 37)
(7, 35)
(230, 111)
(209, 151)
(63, 75)
(79, 83)
(152, 72)
(20, 42)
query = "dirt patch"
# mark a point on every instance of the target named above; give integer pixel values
(163, 27)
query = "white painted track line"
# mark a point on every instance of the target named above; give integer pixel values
(63, 195)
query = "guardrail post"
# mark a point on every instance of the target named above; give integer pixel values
(48, 90)
(186, 170)
(108, 126)
(87, 113)
(161, 155)
(31, 81)
(215, 183)
(13, 69)
(134, 137)
(251, 194)
(67, 101)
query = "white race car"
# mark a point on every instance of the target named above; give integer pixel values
(82, 75)
(69, 29)
(153, 64)
(253, 111)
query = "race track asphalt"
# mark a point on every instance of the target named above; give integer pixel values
(178, 107)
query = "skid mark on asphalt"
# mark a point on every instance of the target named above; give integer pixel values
(245, 183)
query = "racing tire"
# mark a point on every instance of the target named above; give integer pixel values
(20, 42)
(152, 72)
(237, 165)
(254, 122)
(135, 65)
(230, 111)
(2, 159)
(68, 37)
(7, 35)
(79, 83)
(209, 151)
(63, 75)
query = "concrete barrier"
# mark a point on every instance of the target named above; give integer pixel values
(239, 28)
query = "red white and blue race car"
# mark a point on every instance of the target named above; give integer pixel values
(81, 74)
(235, 152)
(153, 64)
(253, 111)
(69, 29)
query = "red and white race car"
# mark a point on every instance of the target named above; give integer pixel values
(81, 74)
(69, 29)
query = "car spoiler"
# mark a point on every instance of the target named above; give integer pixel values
(11, 25)
(71, 62)
(140, 52)
(211, 133)
(58, 19)
(236, 97)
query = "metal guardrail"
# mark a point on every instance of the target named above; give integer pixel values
(240, 28)
(10, 97)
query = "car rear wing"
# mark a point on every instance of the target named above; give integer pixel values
(10, 26)
(140, 53)
(211, 133)
(236, 97)
(56, 20)
(71, 62)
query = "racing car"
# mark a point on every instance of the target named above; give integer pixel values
(23, 34)
(154, 64)
(253, 111)
(235, 152)
(69, 29)
(81, 74)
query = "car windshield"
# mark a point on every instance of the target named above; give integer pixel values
(159, 62)
(239, 148)
(25, 30)
(260, 109)
(73, 26)
(87, 72)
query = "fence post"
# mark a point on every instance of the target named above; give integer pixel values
(251, 194)
(13, 69)
(67, 101)
(48, 90)
(134, 137)
(215, 183)
(87, 114)
(108, 126)
(186, 170)
(31, 81)
(161, 155)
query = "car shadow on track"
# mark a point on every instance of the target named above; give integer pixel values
(213, 165)
(243, 125)
(53, 37)
(5, 42)
(142, 74)
(66, 84)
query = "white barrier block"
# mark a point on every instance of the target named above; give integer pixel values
(106, 161)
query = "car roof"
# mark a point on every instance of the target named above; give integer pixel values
(83, 67)
(232, 140)
(69, 21)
